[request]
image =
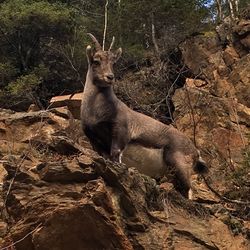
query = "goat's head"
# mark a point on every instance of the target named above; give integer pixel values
(101, 63)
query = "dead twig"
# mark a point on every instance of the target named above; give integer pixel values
(18, 241)
(105, 24)
(15, 174)
(223, 198)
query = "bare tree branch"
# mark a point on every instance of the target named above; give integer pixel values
(223, 197)
(153, 35)
(105, 24)
(219, 9)
(23, 238)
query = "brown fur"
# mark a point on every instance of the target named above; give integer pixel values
(112, 126)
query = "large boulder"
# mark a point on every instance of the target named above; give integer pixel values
(242, 29)
(73, 102)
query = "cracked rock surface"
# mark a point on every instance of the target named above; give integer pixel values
(54, 200)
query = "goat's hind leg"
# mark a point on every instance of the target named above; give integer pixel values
(181, 171)
(182, 183)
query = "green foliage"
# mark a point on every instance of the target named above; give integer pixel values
(240, 179)
(210, 34)
(35, 33)
(233, 223)
(243, 6)
(24, 14)
(53, 33)
(41, 71)
(173, 20)
(29, 26)
(7, 71)
(135, 52)
(241, 175)
(23, 84)
(26, 84)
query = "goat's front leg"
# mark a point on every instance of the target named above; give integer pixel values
(119, 142)
(116, 151)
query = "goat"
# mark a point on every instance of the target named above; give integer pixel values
(112, 127)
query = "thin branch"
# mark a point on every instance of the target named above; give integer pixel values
(69, 60)
(153, 36)
(219, 10)
(18, 241)
(8, 40)
(223, 197)
(105, 24)
(231, 8)
(15, 174)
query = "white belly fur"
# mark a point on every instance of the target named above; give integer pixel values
(148, 161)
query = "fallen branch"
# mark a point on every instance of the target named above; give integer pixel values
(18, 241)
(223, 197)
(15, 174)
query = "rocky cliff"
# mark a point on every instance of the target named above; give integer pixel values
(57, 193)
(214, 105)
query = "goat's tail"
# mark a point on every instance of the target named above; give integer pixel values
(200, 166)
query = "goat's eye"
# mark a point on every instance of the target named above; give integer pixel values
(96, 62)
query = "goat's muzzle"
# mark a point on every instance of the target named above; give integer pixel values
(109, 78)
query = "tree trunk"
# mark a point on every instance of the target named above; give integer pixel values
(219, 10)
(231, 9)
(105, 24)
(237, 7)
(153, 35)
(119, 23)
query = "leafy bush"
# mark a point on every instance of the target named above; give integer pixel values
(7, 72)
(24, 84)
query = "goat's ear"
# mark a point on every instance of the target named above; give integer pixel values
(118, 54)
(89, 53)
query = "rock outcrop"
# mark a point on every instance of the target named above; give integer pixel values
(73, 102)
(213, 107)
(53, 199)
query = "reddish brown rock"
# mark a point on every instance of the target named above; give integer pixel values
(226, 71)
(81, 201)
(73, 102)
(33, 108)
(246, 41)
(240, 79)
(230, 56)
(229, 143)
(202, 54)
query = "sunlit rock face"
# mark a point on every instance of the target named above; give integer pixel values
(59, 194)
